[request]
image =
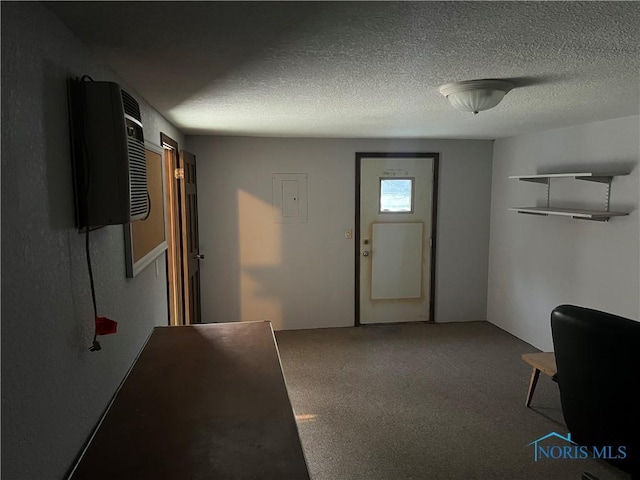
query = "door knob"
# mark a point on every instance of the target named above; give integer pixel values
(365, 253)
(200, 256)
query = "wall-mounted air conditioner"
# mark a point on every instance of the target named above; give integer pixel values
(109, 164)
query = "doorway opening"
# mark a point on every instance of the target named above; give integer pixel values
(174, 251)
(183, 255)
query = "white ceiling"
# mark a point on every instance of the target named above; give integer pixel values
(367, 69)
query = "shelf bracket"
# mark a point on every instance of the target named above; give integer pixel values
(595, 219)
(533, 213)
(545, 181)
(535, 180)
(548, 194)
(600, 179)
(606, 179)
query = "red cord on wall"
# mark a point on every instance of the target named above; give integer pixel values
(102, 325)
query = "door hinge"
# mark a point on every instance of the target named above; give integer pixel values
(179, 173)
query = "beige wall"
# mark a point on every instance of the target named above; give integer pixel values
(53, 389)
(302, 275)
(538, 263)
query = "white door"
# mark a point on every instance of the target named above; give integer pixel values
(395, 237)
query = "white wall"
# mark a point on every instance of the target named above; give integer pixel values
(538, 263)
(302, 275)
(53, 389)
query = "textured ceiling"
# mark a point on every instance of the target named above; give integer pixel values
(367, 69)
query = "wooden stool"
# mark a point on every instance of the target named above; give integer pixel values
(544, 362)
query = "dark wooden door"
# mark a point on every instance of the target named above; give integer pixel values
(191, 249)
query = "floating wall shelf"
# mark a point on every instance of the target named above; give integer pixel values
(591, 177)
(595, 215)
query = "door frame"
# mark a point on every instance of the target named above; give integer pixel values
(434, 223)
(175, 252)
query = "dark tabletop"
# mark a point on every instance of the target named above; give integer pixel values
(201, 402)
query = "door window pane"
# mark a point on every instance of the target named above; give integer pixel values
(396, 195)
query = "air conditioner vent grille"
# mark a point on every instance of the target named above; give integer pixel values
(131, 107)
(138, 180)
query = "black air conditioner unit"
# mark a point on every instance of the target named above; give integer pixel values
(109, 164)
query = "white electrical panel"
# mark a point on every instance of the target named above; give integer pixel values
(290, 197)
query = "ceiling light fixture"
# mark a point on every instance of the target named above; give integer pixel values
(476, 95)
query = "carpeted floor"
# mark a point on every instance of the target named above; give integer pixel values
(421, 401)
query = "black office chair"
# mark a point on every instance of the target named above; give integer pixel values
(598, 360)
